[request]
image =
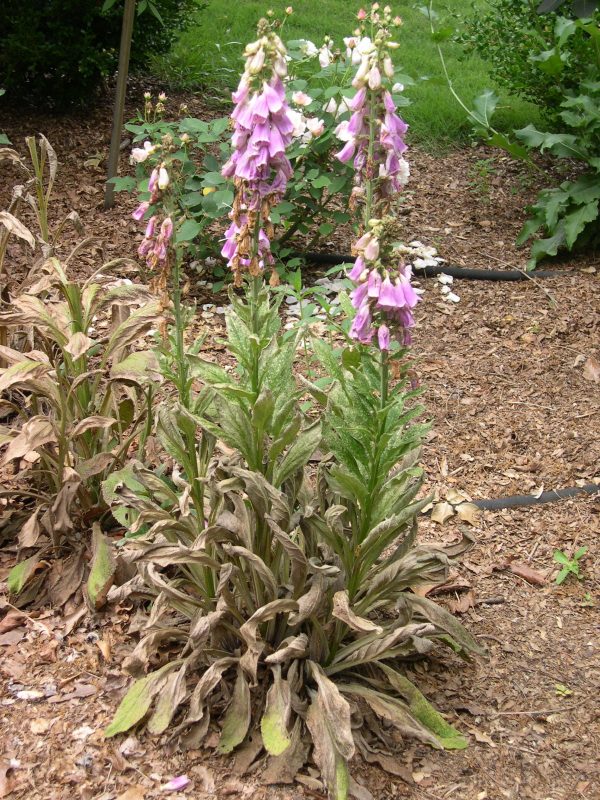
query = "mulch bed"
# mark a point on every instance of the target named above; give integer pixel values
(515, 409)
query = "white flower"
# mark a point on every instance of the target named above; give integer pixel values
(404, 172)
(140, 154)
(445, 279)
(315, 126)
(398, 87)
(325, 56)
(342, 132)
(298, 121)
(454, 298)
(301, 99)
(163, 178)
(365, 47)
(308, 48)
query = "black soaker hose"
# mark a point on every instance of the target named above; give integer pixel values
(430, 272)
(520, 500)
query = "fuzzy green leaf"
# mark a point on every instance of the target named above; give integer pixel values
(274, 722)
(20, 574)
(102, 570)
(134, 706)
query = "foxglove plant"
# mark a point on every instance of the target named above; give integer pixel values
(263, 128)
(374, 138)
(287, 587)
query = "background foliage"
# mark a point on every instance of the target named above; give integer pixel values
(56, 53)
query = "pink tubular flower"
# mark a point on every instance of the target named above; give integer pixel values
(263, 128)
(140, 211)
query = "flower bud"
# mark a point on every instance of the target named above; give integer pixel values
(374, 78)
(166, 229)
(388, 67)
(163, 178)
(257, 62)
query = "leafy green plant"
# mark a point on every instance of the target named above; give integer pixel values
(57, 54)
(283, 592)
(539, 57)
(77, 403)
(569, 566)
(568, 214)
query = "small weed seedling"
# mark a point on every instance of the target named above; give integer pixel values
(569, 565)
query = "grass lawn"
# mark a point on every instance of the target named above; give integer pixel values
(208, 54)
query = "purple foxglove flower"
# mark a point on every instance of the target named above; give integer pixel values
(160, 250)
(357, 270)
(145, 247)
(355, 124)
(153, 182)
(372, 250)
(364, 240)
(388, 296)
(358, 100)
(241, 93)
(150, 227)
(358, 295)
(346, 152)
(166, 229)
(383, 337)
(361, 325)
(411, 298)
(374, 283)
(176, 784)
(138, 214)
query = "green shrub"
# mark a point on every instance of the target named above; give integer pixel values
(56, 53)
(535, 56)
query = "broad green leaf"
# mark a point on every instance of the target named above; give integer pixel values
(136, 703)
(237, 716)
(299, 453)
(483, 107)
(188, 231)
(21, 573)
(422, 710)
(275, 720)
(102, 568)
(575, 222)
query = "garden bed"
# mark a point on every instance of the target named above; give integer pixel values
(514, 401)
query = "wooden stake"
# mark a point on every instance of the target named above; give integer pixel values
(115, 141)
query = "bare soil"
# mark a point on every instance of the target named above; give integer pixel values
(515, 404)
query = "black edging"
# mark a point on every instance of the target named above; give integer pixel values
(468, 273)
(520, 500)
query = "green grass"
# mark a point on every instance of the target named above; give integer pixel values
(209, 55)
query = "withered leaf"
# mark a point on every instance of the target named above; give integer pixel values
(78, 345)
(30, 532)
(102, 569)
(442, 512)
(527, 573)
(591, 369)
(342, 611)
(237, 716)
(36, 432)
(91, 423)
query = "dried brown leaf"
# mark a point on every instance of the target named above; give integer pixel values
(78, 344)
(527, 573)
(36, 432)
(591, 369)
(442, 512)
(342, 611)
(30, 532)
